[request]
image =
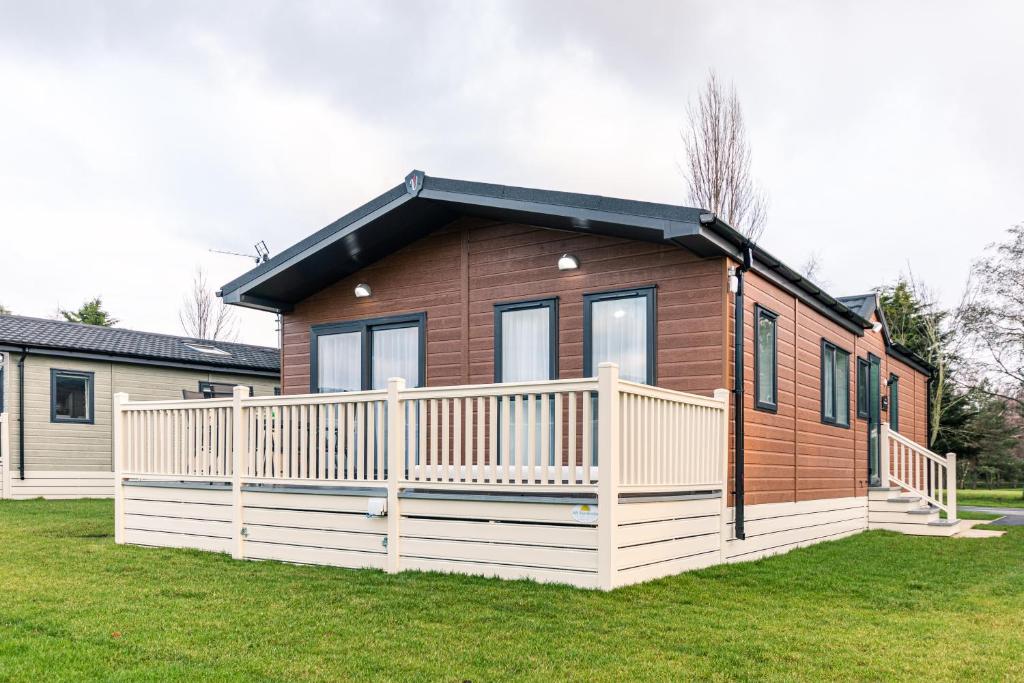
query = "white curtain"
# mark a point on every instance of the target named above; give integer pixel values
(339, 362)
(619, 335)
(396, 353)
(525, 345)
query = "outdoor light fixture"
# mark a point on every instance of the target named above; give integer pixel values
(876, 327)
(363, 290)
(568, 262)
(734, 281)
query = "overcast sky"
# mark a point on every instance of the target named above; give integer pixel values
(137, 136)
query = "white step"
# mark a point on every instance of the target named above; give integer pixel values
(915, 516)
(883, 493)
(896, 504)
(942, 527)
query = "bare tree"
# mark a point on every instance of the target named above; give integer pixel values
(717, 166)
(994, 318)
(203, 315)
(812, 269)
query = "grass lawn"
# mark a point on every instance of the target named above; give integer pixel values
(1003, 498)
(874, 606)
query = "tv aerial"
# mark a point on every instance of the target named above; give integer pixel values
(262, 254)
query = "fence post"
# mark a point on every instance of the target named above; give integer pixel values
(883, 455)
(723, 532)
(120, 399)
(239, 447)
(951, 483)
(607, 474)
(5, 454)
(396, 467)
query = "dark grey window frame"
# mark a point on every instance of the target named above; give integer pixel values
(552, 305)
(834, 421)
(759, 313)
(863, 395)
(651, 294)
(366, 328)
(91, 403)
(894, 402)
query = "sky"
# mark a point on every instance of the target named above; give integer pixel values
(136, 137)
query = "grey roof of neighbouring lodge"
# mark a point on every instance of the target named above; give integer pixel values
(57, 337)
(423, 203)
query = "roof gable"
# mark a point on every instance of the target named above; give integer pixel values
(424, 203)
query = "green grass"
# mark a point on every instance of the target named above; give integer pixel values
(1003, 498)
(875, 606)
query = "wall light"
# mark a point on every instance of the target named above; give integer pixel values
(363, 290)
(876, 326)
(568, 262)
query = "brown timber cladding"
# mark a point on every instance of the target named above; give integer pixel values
(791, 455)
(458, 274)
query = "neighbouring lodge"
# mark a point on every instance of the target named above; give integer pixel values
(518, 382)
(62, 376)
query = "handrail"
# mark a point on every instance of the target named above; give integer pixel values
(916, 469)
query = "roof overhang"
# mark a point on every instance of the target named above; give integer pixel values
(423, 204)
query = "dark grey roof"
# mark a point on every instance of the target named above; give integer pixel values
(423, 203)
(862, 304)
(76, 338)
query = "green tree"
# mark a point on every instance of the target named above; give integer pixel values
(91, 313)
(4, 310)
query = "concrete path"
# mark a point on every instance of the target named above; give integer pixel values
(1010, 516)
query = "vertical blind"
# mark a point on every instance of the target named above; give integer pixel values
(339, 362)
(395, 353)
(525, 345)
(619, 335)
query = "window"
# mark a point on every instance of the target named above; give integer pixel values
(71, 396)
(364, 354)
(863, 373)
(766, 390)
(526, 341)
(894, 403)
(835, 385)
(619, 327)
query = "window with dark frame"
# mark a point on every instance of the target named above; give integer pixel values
(72, 396)
(835, 385)
(364, 354)
(766, 370)
(894, 403)
(526, 341)
(620, 327)
(863, 373)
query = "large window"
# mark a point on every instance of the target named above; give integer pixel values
(766, 375)
(526, 341)
(894, 403)
(619, 327)
(364, 354)
(863, 375)
(835, 385)
(71, 396)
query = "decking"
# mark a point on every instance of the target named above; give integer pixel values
(593, 482)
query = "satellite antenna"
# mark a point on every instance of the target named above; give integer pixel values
(262, 254)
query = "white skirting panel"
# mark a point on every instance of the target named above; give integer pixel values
(662, 538)
(308, 528)
(540, 541)
(61, 484)
(178, 517)
(775, 528)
